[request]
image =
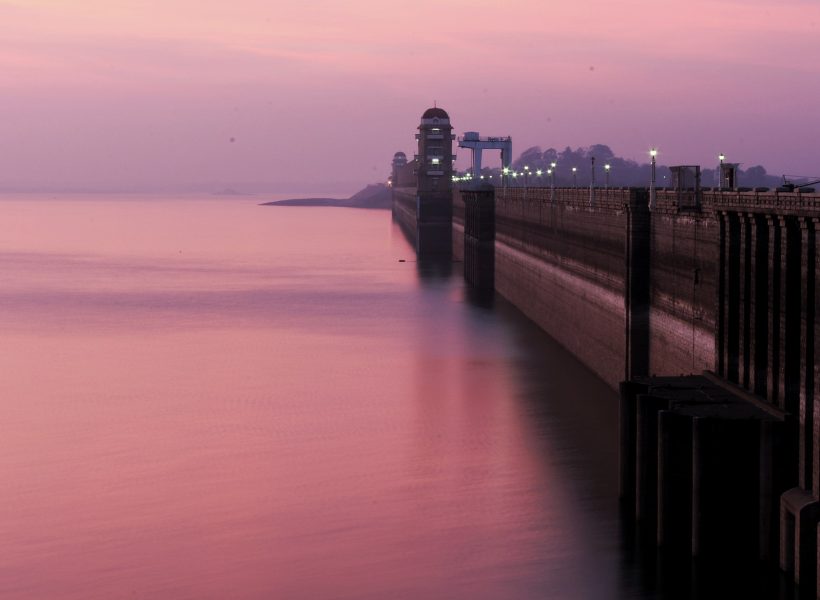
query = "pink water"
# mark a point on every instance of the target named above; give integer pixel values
(206, 398)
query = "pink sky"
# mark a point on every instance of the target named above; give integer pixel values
(319, 94)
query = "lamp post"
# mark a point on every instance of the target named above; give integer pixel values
(575, 177)
(505, 172)
(653, 153)
(526, 175)
(607, 167)
(721, 158)
(592, 171)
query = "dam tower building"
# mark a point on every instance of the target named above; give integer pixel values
(434, 171)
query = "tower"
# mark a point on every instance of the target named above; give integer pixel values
(435, 157)
(399, 164)
(434, 202)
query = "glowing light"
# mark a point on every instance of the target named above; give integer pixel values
(553, 165)
(653, 153)
(607, 167)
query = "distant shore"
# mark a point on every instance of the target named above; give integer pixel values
(376, 196)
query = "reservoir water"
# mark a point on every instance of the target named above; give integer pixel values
(204, 398)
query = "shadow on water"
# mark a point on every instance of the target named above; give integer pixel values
(573, 409)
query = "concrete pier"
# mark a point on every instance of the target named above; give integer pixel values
(700, 466)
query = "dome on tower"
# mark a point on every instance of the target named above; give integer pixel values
(435, 113)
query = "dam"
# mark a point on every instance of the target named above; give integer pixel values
(698, 305)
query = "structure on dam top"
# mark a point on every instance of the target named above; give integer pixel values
(478, 144)
(422, 189)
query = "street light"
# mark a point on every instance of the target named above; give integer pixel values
(721, 158)
(551, 173)
(575, 177)
(653, 153)
(592, 171)
(607, 167)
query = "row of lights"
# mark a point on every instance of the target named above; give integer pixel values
(653, 153)
(506, 171)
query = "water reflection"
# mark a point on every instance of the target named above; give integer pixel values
(435, 269)
(219, 400)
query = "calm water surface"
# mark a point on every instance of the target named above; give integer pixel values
(205, 398)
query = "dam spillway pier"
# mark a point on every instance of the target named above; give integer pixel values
(702, 310)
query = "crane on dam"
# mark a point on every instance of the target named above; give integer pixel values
(477, 144)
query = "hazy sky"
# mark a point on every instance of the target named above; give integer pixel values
(319, 94)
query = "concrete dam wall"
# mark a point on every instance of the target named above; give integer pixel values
(629, 292)
(404, 211)
(724, 463)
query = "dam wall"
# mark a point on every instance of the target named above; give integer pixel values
(707, 304)
(404, 211)
(628, 291)
(720, 281)
(426, 220)
(458, 225)
(562, 263)
(683, 276)
(724, 281)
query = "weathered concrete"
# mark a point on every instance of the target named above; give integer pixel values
(563, 264)
(627, 291)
